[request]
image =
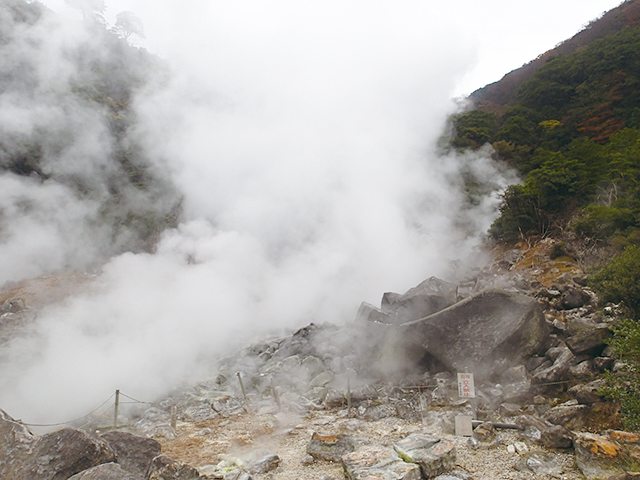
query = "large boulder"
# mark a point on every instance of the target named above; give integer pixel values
(427, 298)
(106, 471)
(486, 333)
(54, 456)
(378, 463)
(602, 458)
(134, 453)
(435, 456)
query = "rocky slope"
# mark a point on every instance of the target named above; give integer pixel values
(292, 406)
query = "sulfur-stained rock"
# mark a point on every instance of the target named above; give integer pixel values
(378, 463)
(435, 456)
(165, 468)
(330, 447)
(601, 458)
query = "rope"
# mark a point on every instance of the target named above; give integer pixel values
(70, 421)
(136, 400)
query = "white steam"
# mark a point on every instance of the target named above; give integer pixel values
(303, 141)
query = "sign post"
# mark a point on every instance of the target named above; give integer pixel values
(466, 389)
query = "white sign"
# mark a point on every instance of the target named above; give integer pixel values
(465, 386)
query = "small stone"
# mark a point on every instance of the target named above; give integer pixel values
(511, 448)
(485, 432)
(521, 447)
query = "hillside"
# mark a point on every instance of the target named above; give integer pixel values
(69, 127)
(569, 123)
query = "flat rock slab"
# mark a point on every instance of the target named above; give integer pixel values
(435, 456)
(378, 463)
(106, 471)
(487, 333)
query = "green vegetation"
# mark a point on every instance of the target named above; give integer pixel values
(573, 133)
(92, 106)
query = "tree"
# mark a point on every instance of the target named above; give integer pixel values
(127, 24)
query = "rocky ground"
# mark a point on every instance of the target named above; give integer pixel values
(383, 387)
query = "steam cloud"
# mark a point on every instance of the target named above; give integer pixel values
(303, 142)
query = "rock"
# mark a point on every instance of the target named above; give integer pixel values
(435, 456)
(106, 471)
(321, 379)
(335, 398)
(378, 463)
(156, 422)
(427, 298)
(260, 462)
(557, 437)
(604, 363)
(599, 457)
(485, 432)
(488, 332)
(165, 468)
(134, 453)
(588, 394)
(408, 411)
(532, 427)
(556, 371)
(582, 371)
(16, 445)
(57, 455)
(589, 340)
(569, 414)
(369, 313)
(540, 463)
(509, 409)
(331, 447)
(574, 298)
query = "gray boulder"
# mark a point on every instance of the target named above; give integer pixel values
(54, 456)
(487, 333)
(427, 298)
(331, 447)
(134, 453)
(378, 463)
(106, 471)
(435, 456)
(164, 468)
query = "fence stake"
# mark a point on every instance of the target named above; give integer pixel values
(244, 394)
(174, 417)
(275, 395)
(115, 413)
(348, 397)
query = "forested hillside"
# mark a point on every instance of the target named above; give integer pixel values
(68, 126)
(572, 131)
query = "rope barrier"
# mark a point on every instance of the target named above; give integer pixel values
(70, 421)
(136, 400)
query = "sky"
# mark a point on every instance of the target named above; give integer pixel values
(302, 136)
(502, 35)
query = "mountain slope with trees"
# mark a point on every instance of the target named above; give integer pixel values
(569, 123)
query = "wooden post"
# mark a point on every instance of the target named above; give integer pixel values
(348, 397)
(174, 417)
(275, 395)
(115, 413)
(244, 394)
